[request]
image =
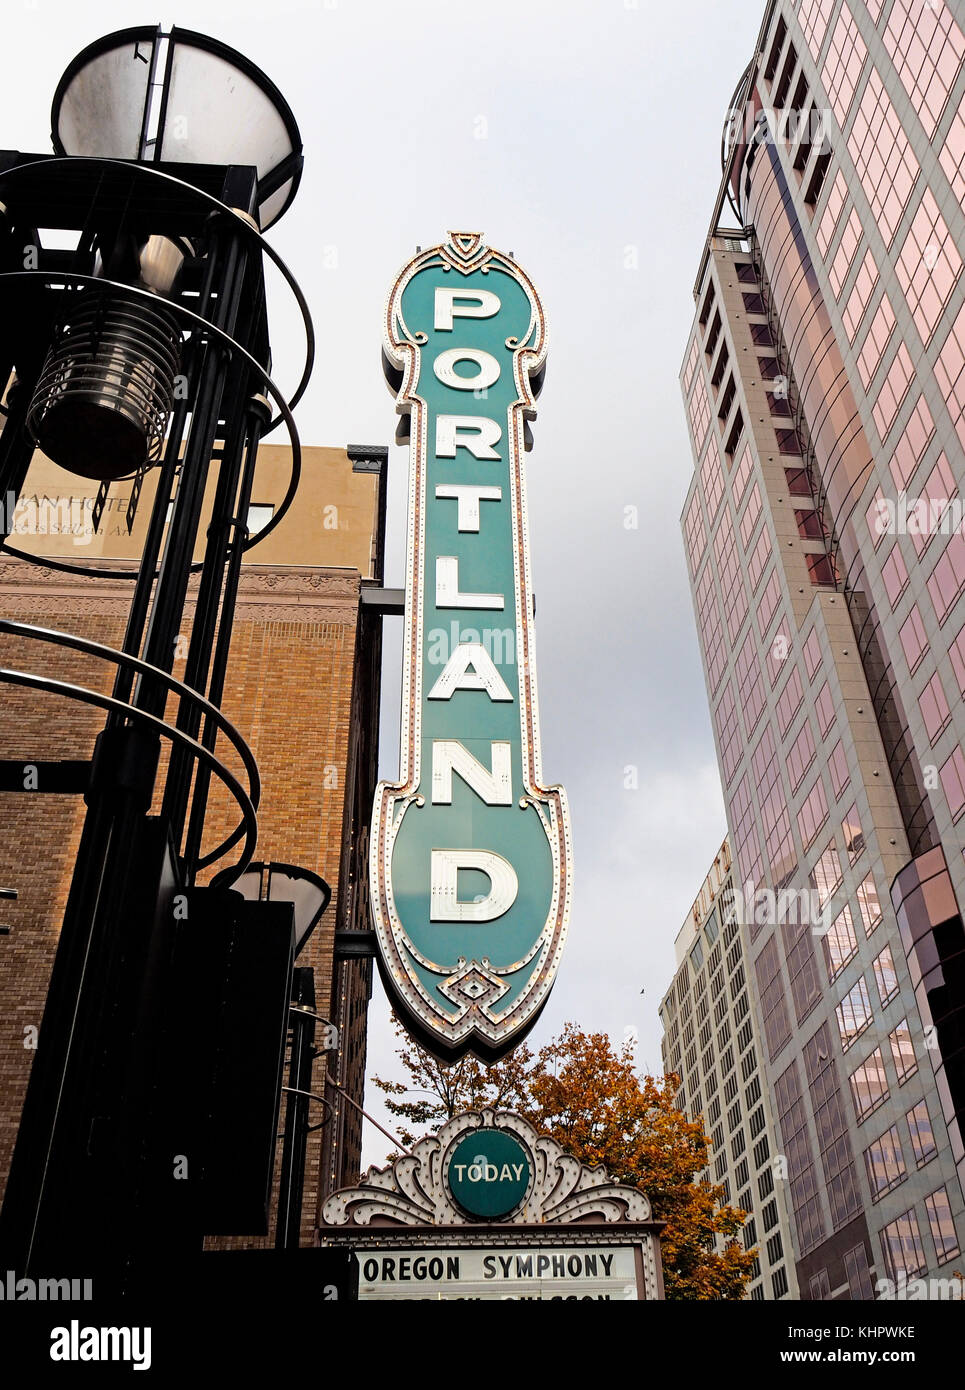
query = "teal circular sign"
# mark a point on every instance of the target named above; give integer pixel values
(489, 1172)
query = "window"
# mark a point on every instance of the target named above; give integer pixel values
(789, 702)
(840, 944)
(884, 1163)
(935, 708)
(750, 685)
(801, 756)
(726, 400)
(751, 514)
(768, 603)
(886, 977)
(878, 518)
(903, 1051)
(914, 641)
(845, 254)
(912, 443)
(827, 875)
(902, 1249)
(812, 814)
(788, 442)
(832, 211)
(777, 1027)
(741, 476)
(820, 570)
(928, 266)
(941, 1225)
(812, 653)
(813, 19)
(259, 515)
(758, 558)
(952, 156)
(798, 482)
(869, 1085)
(734, 438)
(948, 577)
(882, 155)
(860, 296)
(711, 629)
(926, 47)
(932, 514)
(842, 67)
(809, 526)
(712, 480)
(780, 34)
(699, 413)
(691, 366)
(875, 342)
(953, 782)
(695, 534)
(838, 767)
(922, 1136)
(957, 656)
(775, 1250)
(854, 1014)
(894, 576)
(820, 1285)
(893, 390)
(712, 336)
(868, 904)
(853, 834)
(824, 709)
(860, 1285)
(779, 1283)
(778, 651)
(950, 372)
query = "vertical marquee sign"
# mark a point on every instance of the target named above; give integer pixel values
(470, 862)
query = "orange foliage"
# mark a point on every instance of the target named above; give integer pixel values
(588, 1096)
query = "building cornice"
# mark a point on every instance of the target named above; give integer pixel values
(266, 593)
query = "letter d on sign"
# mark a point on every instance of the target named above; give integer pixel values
(444, 899)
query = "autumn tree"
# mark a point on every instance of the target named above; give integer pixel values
(588, 1096)
(435, 1092)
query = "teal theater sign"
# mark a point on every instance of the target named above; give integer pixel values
(489, 1173)
(471, 865)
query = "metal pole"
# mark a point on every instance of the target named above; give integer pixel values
(295, 1143)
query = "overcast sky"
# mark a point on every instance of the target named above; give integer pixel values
(583, 135)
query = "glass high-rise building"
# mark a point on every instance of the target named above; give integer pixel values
(712, 1036)
(824, 381)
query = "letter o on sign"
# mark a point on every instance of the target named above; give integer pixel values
(487, 373)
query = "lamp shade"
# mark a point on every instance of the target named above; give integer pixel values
(309, 894)
(179, 98)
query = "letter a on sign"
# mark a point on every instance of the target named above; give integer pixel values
(470, 864)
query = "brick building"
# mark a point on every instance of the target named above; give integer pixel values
(303, 690)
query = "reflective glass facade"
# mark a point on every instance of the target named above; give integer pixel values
(826, 546)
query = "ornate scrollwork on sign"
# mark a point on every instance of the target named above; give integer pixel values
(415, 1191)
